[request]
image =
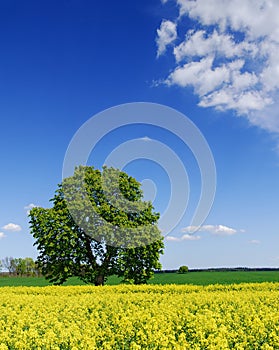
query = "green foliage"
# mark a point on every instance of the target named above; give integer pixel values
(138, 264)
(20, 266)
(98, 226)
(183, 269)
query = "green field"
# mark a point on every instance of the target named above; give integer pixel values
(214, 277)
(197, 278)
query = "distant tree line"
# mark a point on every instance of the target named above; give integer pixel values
(19, 266)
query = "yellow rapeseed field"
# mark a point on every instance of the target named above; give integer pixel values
(243, 316)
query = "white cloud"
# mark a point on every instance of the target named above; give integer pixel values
(230, 58)
(243, 103)
(200, 44)
(255, 241)
(188, 237)
(172, 238)
(258, 18)
(165, 36)
(30, 206)
(12, 227)
(220, 230)
(2, 235)
(189, 232)
(268, 118)
(185, 237)
(203, 77)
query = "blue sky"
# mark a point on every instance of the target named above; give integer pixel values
(63, 62)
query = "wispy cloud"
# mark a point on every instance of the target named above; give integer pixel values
(255, 241)
(2, 235)
(11, 227)
(230, 58)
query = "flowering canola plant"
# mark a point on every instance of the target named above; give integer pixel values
(242, 316)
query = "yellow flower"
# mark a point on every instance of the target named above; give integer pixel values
(134, 317)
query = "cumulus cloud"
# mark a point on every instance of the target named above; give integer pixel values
(220, 230)
(190, 232)
(2, 235)
(11, 227)
(185, 237)
(29, 207)
(230, 57)
(166, 34)
(172, 239)
(188, 237)
(200, 44)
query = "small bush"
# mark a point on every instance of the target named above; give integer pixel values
(183, 269)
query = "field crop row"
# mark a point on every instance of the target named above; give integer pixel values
(193, 277)
(242, 316)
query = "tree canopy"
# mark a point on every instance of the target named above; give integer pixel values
(20, 266)
(98, 225)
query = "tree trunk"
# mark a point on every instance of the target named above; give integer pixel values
(99, 280)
